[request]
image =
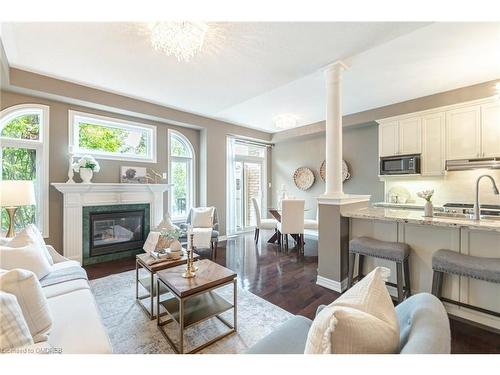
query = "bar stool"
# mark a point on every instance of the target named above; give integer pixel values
(451, 262)
(395, 251)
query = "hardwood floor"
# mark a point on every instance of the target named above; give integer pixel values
(289, 281)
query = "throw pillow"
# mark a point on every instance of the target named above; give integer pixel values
(25, 286)
(202, 217)
(29, 257)
(31, 234)
(361, 321)
(14, 331)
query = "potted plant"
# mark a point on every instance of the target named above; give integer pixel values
(427, 195)
(173, 236)
(86, 166)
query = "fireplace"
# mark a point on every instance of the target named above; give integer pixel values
(113, 232)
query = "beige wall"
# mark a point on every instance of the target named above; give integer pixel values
(58, 153)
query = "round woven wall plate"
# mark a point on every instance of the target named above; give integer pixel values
(303, 178)
(345, 171)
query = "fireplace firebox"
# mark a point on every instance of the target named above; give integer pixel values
(112, 232)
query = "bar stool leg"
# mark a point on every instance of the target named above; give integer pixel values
(399, 276)
(352, 259)
(406, 265)
(361, 258)
(437, 283)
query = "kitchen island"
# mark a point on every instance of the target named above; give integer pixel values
(425, 236)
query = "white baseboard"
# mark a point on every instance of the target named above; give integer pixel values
(332, 284)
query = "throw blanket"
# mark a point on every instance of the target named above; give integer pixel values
(64, 275)
(201, 237)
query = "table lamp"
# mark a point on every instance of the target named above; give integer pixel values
(14, 194)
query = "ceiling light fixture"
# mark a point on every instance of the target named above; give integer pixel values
(285, 121)
(180, 39)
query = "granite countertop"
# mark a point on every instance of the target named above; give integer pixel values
(417, 217)
(407, 206)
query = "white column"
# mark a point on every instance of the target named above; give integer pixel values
(333, 77)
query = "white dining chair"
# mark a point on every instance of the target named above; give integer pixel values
(292, 221)
(312, 224)
(270, 224)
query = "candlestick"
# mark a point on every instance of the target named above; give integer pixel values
(71, 173)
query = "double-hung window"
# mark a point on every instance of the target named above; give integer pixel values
(181, 175)
(24, 150)
(111, 138)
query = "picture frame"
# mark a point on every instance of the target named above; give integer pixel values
(133, 175)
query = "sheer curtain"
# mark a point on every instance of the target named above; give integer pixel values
(230, 187)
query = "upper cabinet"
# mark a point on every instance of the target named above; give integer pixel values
(433, 144)
(490, 130)
(402, 137)
(463, 133)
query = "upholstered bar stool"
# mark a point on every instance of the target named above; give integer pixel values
(450, 262)
(395, 251)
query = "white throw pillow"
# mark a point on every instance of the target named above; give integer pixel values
(25, 286)
(14, 331)
(202, 217)
(363, 320)
(29, 257)
(30, 235)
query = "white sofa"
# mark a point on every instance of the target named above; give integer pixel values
(77, 325)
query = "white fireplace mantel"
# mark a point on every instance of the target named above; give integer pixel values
(77, 196)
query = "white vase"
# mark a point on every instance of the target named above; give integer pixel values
(428, 209)
(86, 174)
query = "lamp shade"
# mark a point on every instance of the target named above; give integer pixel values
(17, 193)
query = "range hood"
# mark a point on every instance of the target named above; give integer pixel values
(467, 164)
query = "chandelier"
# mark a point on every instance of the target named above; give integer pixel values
(285, 121)
(180, 39)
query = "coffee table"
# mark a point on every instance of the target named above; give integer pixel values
(152, 265)
(194, 300)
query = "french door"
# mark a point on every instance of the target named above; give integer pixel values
(249, 183)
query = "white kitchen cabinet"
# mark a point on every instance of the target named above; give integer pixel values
(463, 133)
(410, 136)
(490, 130)
(402, 137)
(389, 138)
(433, 144)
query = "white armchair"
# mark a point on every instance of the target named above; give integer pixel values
(292, 221)
(270, 224)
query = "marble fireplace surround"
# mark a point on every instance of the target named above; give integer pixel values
(77, 196)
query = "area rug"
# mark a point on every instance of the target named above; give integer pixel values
(131, 331)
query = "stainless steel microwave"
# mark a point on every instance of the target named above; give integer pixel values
(401, 164)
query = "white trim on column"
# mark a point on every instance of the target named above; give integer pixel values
(336, 286)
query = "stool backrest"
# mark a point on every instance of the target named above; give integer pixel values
(292, 216)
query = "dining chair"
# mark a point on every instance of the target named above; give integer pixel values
(312, 223)
(262, 223)
(292, 222)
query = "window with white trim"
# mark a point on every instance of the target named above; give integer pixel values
(24, 155)
(181, 175)
(111, 138)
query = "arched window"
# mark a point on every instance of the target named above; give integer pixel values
(24, 145)
(181, 175)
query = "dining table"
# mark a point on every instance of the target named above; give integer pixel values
(276, 237)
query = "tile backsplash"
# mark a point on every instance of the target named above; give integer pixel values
(458, 186)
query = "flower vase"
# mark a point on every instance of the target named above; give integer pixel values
(175, 246)
(428, 209)
(86, 174)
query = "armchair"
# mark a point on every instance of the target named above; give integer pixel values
(214, 240)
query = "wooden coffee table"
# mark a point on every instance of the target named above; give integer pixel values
(152, 266)
(194, 300)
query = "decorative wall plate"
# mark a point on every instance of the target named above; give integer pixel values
(303, 178)
(345, 170)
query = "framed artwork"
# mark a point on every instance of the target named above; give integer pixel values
(133, 175)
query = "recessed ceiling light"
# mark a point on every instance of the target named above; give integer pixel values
(285, 121)
(180, 39)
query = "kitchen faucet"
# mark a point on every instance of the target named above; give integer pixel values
(477, 208)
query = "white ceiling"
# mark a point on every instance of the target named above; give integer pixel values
(248, 73)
